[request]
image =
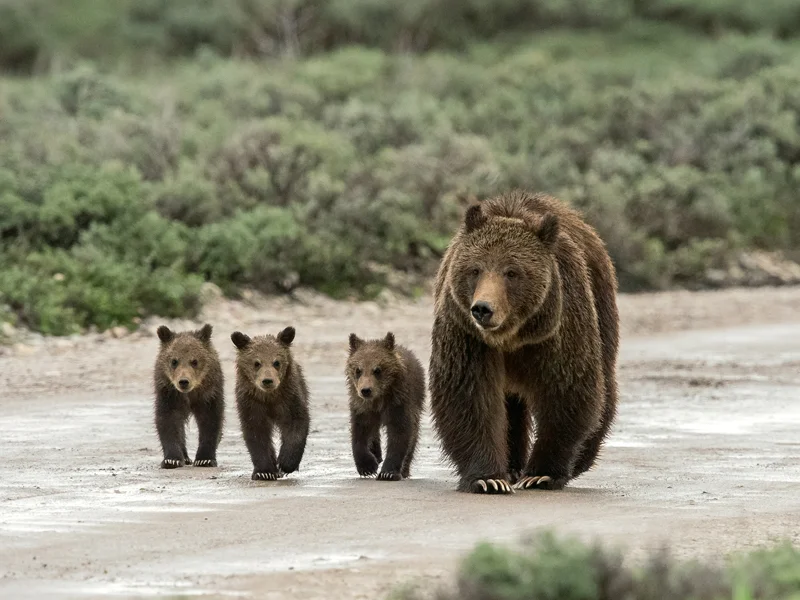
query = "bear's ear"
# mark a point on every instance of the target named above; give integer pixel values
(388, 341)
(474, 218)
(240, 340)
(204, 333)
(355, 342)
(548, 229)
(165, 334)
(286, 337)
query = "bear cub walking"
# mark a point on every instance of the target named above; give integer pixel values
(271, 392)
(386, 384)
(188, 380)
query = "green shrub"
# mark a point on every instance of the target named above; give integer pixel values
(551, 568)
(333, 170)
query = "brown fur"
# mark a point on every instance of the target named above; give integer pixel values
(271, 392)
(542, 281)
(386, 384)
(188, 380)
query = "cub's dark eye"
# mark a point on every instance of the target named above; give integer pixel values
(174, 362)
(376, 371)
(194, 363)
(277, 364)
(257, 364)
(358, 372)
(476, 272)
(511, 274)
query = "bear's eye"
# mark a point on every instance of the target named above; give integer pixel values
(511, 274)
(277, 364)
(174, 362)
(376, 371)
(358, 372)
(257, 364)
(476, 271)
(194, 363)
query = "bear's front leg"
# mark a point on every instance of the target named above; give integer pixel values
(560, 434)
(364, 427)
(468, 408)
(171, 413)
(293, 442)
(210, 416)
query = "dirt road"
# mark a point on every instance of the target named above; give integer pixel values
(705, 455)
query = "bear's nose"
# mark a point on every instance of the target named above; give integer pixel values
(184, 383)
(266, 382)
(482, 312)
(366, 392)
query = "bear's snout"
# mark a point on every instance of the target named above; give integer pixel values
(266, 382)
(482, 313)
(184, 384)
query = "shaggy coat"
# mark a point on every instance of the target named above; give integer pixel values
(526, 329)
(386, 384)
(271, 393)
(188, 380)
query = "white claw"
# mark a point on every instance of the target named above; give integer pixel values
(482, 483)
(544, 479)
(493, 484)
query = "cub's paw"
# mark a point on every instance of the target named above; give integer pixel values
(366, 465)
(265, 476)
(540, 482)
(390, 476)
(172, 463)
(205, 462)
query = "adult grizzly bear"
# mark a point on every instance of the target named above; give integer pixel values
(526, 325)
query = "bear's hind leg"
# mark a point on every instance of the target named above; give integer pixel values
(519, 435)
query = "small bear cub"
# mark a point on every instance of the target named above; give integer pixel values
(188, 380)
(386, 384)
(271, 392)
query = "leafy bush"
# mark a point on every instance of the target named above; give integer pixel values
(333, 170)
(549, 568)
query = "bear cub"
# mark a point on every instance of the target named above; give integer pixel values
(188, 380)
(271, 392)
(386, 384)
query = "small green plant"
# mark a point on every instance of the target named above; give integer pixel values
(547, 567)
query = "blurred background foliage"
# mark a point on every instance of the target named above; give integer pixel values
(147, 146)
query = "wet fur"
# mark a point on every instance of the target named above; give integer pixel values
(551, 363)
(284, 408)
(396, 404)
(205, 399)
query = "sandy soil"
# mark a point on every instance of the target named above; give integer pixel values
(705, 456)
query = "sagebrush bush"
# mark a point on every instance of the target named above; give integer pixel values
(547, 567)
(332, 170)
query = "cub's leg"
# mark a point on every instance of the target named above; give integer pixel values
(210, 416)
(364, 428)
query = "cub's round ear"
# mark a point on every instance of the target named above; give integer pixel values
(548, 229)
(474, 218)
(355, 342)
(389, 341)
(240, 340)
(204, 333)
(286, 337)
(165, 334)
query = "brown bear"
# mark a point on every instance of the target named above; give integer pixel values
(188, 380)
(525, 327)
(271, 392)
(386, 384)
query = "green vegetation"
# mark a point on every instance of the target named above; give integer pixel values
(548, 568)
(148, 146)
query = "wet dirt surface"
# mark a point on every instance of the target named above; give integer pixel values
(705, 455)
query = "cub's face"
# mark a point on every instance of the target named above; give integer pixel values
(263, 360)
(185, 358)
(502, 270)
(371, 367)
